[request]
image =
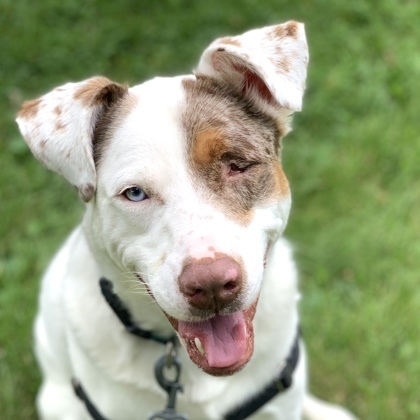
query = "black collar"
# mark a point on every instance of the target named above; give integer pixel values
(124, 315)
(279, 384)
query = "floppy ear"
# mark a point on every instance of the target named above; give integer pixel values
(267, 65)
(59, 128)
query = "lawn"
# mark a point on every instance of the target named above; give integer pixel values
(352, 160)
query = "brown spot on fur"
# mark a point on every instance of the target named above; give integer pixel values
(230, 41)
(59, 125)
(216, 256)
(86, 192)
(30, 109)
(281, 61)
(282, 31)
(232, 148)
(292, 29)
(58, 110)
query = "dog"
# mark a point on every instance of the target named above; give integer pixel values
(186, 201)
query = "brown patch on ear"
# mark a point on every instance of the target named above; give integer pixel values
(30, 109)
(59, 125)
(282, 31)
(86, 192)
(110, 94)
(99, 90)
(291, 29)
(208, 146)
(88, 92)
(230, 41)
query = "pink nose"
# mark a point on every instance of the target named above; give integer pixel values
(211, 284)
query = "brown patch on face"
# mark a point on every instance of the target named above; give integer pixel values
(281, 183)
(208, 146)
(30, 109)
(232, 148)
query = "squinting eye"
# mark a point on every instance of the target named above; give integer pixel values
(236, 169)
(135, 194)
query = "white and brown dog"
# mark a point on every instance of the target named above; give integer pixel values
(185, 204)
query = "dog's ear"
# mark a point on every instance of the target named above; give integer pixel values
(267, 65)
(59, 128)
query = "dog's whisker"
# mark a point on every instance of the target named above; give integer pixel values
(138, 289)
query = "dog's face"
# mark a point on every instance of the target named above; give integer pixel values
(183, 181)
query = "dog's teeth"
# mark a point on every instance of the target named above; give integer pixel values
(199, 346)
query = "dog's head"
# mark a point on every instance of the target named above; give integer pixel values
(182, 180)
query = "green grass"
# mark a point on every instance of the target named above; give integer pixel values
(353, 163)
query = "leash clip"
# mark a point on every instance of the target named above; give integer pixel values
(170, 354)
(167, 373)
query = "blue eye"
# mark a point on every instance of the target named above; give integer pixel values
(135, 194)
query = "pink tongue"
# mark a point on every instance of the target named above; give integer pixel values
(224, 338)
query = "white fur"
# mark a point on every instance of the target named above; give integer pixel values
(77, 334)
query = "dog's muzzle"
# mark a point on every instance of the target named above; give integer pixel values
(223, 342)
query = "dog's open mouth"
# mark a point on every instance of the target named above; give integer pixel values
(220, 345)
